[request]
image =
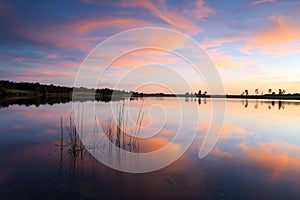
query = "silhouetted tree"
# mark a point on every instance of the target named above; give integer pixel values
(44, 90)
(279, 104)
(246, 92)
(256, 104)
(246, 103)
(280, 91)
(1, 88)
(37, 87)
(270, 91)
(273, 103)
(256, 91)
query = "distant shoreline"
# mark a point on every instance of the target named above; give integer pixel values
(266, 96)
(12, 90)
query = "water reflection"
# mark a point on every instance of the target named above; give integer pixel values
(257, 156)
(61, 100)
(271, 104)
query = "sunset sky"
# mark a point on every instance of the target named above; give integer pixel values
(253, 43)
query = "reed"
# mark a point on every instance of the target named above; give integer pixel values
(117, 129)
(73, 142)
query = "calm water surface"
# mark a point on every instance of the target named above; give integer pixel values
(256, 157)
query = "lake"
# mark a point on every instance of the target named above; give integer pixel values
(257, 155)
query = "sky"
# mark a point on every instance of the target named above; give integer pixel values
(254, 44)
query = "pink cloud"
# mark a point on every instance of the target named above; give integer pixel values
(156, 143)
(52, 131)
(74, 34)
(41, 75)
(183, 19)
(122, 23)
(201, 10)
(143, 57)
(258, 2)
(277, 38)
(279, 158)
(281, 37)
(217, 42)
(226, 61)
(18, 127)
(14, 58)
(229, 131)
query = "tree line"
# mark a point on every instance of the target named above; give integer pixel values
(7, 87)
(270, 92)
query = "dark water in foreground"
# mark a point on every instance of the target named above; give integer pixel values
(256, 157)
